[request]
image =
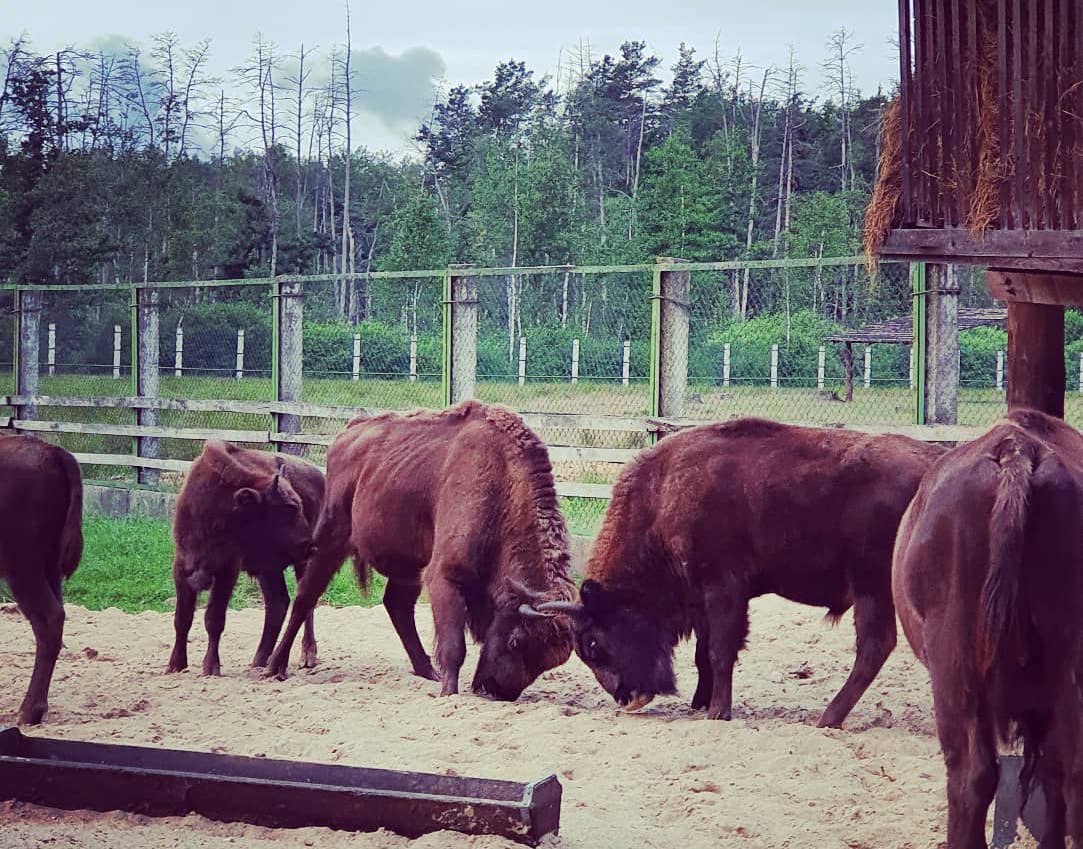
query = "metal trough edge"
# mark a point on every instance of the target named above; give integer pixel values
(75, 775)
(1008, 810)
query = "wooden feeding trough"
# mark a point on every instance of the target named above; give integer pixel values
(982, 164)
(1010, 808)
(281, 794)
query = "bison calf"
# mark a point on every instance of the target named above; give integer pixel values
(41, 542)
(242, 509)
(988, 580)
(716, 515)
(463, 501)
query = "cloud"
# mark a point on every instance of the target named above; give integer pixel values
(398, 91)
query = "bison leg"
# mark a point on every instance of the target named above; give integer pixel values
(726, 608)
(317, 575)
(309, 657)
(215, 617)
(400, 599)
(874, 621)
(45, 610)
(276, 601)
(449, 615)
(966, 739)
(703, 665)
(1051, 779)
(182, 622)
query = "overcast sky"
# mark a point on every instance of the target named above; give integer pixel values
(405, 49)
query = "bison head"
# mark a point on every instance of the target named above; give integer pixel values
(270, 525)
(628, 654)
(520, 645)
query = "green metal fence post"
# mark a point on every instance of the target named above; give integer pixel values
(445, 338)
(917, 287)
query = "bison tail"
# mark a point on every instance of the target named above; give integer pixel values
(1002, 614)
(362, 570)
(71, 538)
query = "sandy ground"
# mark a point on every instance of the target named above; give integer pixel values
(663, 778)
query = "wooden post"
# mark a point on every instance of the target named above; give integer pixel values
(911, 366)
(522, 360)
(27, 348)
(463, 329)
(413, 358)
(726, 364)
(774, 366)
(1000, 370)
(52, 349)
(356, 371)
(847, 355)
(575, 361)
(675, 296)
(239, 373)
(868, 366)
(942, 345)
(147, 378)
(821, 367)
(625, 362)
(1036, 357)
(178, 351)
(290, 357)
(116, 352)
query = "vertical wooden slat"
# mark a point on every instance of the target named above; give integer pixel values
(905, 81)
(921, 137)
(1077, 111)
(1032, 203)
(1051, 72)
(955, 158)
(936, 64)
(972, 62)
(1018, 132)
(1066, 187)
(1007, 214)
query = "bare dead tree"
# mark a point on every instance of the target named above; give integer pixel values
(756, 103)
(351, 307)
(194, 60)
(840, 80)
(299, 81)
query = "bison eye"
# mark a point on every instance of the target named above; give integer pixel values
(590, 649)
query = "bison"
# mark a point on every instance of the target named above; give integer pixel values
(719, 514)
(41, 543)
(988, 579)
(242, 509)
(463, 502)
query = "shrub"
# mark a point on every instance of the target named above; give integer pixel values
(210, 336)
(978, 355)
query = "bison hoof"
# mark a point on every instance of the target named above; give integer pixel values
(829, 722)
(275, 671)
(699, 702)
(429, 674)
(175, 667)
(212, 670)
(309, 660)
(32, 714)
(720, 713)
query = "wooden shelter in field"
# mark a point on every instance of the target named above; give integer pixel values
(982, 163)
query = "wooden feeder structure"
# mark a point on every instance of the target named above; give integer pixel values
(982, 164)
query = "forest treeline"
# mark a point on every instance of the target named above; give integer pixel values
(136, 165)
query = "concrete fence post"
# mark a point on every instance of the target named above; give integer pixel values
(912, 356)
(178, 351)
(147, 378)
(461, 327)
(116, 352)
(1000, 370)
(413, 358)
(726, 364)
(355, 372)
(674, 296)
(27, 349)
(868, 366)
(774, 366)
(1081, 371)
(821, 367)
(289, 366)
(239, 372)
(625, 362)
(575, 361)
(522, 360)
(52, 349)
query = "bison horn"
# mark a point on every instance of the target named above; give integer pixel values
(523, 591)
(528, 612)
(571, 608)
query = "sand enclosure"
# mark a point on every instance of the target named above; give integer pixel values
(662, 779)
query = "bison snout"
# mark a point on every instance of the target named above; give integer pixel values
(491, 689)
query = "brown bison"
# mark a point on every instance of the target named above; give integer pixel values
(716, 515)
(41, 542)
(988, 578)
(242, 509)
(461, 501)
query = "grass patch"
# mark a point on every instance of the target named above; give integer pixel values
(128, 564)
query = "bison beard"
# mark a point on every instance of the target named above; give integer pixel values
(462, 502)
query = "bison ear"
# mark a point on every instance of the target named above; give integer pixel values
(592, 594)
(245, 498)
